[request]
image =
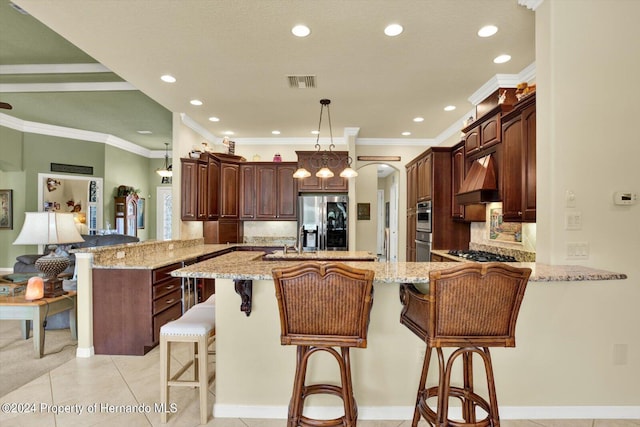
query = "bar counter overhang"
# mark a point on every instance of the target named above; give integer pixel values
(556, 370)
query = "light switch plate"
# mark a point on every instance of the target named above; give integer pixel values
(573, 220)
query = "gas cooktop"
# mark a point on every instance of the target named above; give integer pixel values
(481, 256)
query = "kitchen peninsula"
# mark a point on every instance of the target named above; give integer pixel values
(254, 372)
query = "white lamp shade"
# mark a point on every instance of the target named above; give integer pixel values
(325, 172)
(165, 173)
(44, 228)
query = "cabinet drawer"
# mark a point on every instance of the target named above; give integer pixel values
(166, 316)
(164, 288)
(164, 273)
(167, 301)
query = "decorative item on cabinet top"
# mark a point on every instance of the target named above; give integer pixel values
(326, 159)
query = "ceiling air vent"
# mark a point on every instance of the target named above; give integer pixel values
(302, 82)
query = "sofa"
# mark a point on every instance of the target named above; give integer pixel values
(26, 263)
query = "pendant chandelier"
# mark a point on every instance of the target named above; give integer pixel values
(167, 170)
(326, 160)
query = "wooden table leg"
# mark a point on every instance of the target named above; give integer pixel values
(25, 327)
(38, 330)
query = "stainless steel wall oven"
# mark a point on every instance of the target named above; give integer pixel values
(423, 216)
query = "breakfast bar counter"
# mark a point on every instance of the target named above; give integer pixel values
(254, 373)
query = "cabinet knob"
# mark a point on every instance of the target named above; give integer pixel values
(519, 212)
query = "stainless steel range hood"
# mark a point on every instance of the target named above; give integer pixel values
(480, 185)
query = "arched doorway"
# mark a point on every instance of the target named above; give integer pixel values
(377, 185)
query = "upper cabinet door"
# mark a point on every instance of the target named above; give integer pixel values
(247, 192)
(287, 192)
(229, 190)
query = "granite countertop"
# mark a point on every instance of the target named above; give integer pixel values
(322, 255)
(245, 265)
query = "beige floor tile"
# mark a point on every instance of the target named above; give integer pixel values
(33, 395)
(564, 423)
(233, 422)
(380, 423)
(255, 422)
(616, 423)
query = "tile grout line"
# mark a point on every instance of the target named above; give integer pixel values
(129, 388)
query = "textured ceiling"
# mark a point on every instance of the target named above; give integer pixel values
(234, 55)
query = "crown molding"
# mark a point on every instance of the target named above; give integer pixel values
(65, 87)
(53, 69)
(426, 142)
(26, 126)
(191, 124)
(502, 80)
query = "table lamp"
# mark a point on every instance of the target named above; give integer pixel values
(52, 229)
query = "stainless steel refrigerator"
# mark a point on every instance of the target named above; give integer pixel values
(323, 222)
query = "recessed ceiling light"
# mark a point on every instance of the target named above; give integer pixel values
(502, 59)
(275, 132)
(144, 132)
(301, 31)
(214, 119)
(418, 119)
(487, 31)
(449, 108)
(228, 132)
(195, 102)
(393, 30)
(168, 78)
(315, 132)
(406, 133)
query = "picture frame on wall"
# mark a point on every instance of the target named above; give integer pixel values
(6, 209)
(140, 212)
(364, 211)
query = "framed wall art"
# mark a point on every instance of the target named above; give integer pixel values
(6, 209)
(364, 211)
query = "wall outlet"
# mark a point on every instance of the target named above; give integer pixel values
(120, 254)
(578, 250)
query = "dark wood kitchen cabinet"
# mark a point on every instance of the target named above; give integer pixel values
(268, 191)
(229, 177)
(248, 192)
(425, 175)
(209, 187)
(130, 306)
(286, 194)
(469, 213)
(446, 233)
(311, 161)
(519, 162)
(213, 188)
(194, 190)
(486, 130)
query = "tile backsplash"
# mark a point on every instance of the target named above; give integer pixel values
(522, 251)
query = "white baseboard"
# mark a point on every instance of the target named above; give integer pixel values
(406, 412)
(85, 352)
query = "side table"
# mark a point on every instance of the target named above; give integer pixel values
(17, 308)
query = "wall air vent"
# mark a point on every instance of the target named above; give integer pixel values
(302, 82)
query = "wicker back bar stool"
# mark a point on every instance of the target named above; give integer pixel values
(470, 308)
(323, 306)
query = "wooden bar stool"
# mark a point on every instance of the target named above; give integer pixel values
(197, 327)
(323, 306)
(471, 308)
